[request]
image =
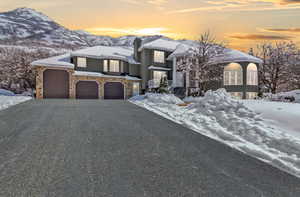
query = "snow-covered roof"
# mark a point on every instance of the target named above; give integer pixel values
(230, 55)
(57, 61)
(158, 68)
(161, 44)
(181, 50)
(107, 52)
(97, 74)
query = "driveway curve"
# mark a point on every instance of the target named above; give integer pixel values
(87, 148)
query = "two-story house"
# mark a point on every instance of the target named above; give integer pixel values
(103, 72)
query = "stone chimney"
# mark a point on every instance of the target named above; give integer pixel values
(137, 44)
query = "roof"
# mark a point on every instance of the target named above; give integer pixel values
(228, 55)
(181, 51)
(61, 61)
(97, 74)
(161, 44)
(107, 52)
(231, 55)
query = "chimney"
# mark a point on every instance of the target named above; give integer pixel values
(137, 44)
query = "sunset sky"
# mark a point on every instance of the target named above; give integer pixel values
(240, 23)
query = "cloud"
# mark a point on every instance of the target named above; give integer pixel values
(259, 37)
(242, 5)
(284, 2)
(157, 3)
(287, 30)
(132, 31)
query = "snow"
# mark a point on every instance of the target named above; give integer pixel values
(57, 61)
(229, 121)
(282, 116)
(6, 93)
(158, 68)
(8, 101)
(283, 96)
(230, 55)
(106, 52)
(97, 74)
(161, 44)
(29, 13)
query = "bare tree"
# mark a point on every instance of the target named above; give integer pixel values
(278, 67)
(197, 64)
(16, 74)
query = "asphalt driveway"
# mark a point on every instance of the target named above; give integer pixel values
(70, 148)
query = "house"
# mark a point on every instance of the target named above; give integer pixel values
(104, 72)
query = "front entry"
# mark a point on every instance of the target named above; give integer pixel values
(113, 90)
(87, 90)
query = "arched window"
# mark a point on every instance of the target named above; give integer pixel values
(252, 74)
(233, 74)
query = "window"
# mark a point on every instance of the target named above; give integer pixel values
(233, 74)
(81, 62)
(105, 65)
(114, 66)
(159, 56)
(158, 75)
(252, 75)
(136, 89)
(237, 95)
(251, 95)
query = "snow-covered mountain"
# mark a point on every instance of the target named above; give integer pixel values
(25, 25)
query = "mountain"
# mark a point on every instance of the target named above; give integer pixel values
(26, 26)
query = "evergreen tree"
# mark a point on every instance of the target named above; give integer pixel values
(163, 86)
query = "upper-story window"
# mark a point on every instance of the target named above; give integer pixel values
(105, 65)
(81, 62)
(159, 57)
(233, 74)
(114, 66)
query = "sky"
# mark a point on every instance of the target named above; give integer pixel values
(241, 24)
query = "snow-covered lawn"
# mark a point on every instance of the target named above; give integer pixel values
(280, 115)
(229, 121)
(8, 101)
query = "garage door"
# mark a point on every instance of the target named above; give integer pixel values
(113, 90)
(56, 84)
(87, 90)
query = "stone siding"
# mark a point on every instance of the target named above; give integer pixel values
(128, 84)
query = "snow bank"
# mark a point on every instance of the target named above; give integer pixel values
(282, 116)
(292, 96)
(158, 98)
(229, 121)
(8, 101)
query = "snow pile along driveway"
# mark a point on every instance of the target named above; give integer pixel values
(8, 101)
(227, 120)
